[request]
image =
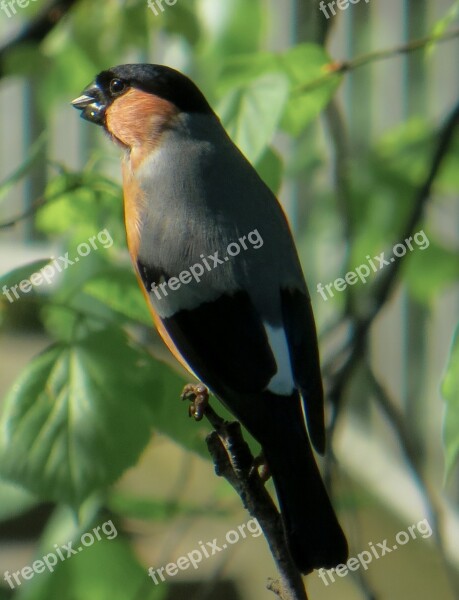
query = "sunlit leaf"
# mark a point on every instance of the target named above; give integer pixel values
(303, 64)
(83, 203)
(119, 290)
(10, 282)
(251, 113)
(75, 420)
(81, 413)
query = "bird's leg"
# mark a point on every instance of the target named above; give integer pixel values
(198, 394)
(260, 464)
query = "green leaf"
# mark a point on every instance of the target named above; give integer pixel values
(448, 179)
(430, 271)
(74, 421)
(242, 70)
(106, 569)
(105, 32)
(406, 149)
(251, 113)
(270, 169)
(119, 290)
(13, 278)
(14, 500)
(233, 27)
(182, 21)
(303, 64)
(25, 60)
(80, 415)
(158, 510)
(450, 392)
(405, 152)
(75, 318)
(442, 25)
(68, 64)
(82, 203)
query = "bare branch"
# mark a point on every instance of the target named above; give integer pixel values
(339, 68)
(341, 155)
(39, 202)
(234, 461)
(36, 205)
(386, 283)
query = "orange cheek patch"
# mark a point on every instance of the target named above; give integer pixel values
(138, 118)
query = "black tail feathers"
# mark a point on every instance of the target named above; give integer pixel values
(314, 536)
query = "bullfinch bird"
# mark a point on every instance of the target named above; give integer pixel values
(242, 322)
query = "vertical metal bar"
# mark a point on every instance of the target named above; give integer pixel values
(359, 91)
(416, 315)
(35, 183)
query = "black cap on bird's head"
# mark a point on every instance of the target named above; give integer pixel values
(159, 80)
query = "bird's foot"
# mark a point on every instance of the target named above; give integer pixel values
(198, 395)
(262, 467)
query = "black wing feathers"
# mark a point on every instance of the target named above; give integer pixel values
(304, 354)
(225, 343)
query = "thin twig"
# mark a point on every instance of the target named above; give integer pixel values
(33, 208)
(409, 446)
(340, 167)
(38, 203)
(339, 68)
(382, 291)
(386, 283)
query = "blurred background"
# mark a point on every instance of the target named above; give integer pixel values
(362, 153)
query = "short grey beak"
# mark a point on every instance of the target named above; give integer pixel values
(92, 103)
(82, 101)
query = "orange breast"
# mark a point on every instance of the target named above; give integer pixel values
(134, 201)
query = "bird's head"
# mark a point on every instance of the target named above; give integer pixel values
(135, 103)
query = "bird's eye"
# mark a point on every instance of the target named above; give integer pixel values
(117, 86)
